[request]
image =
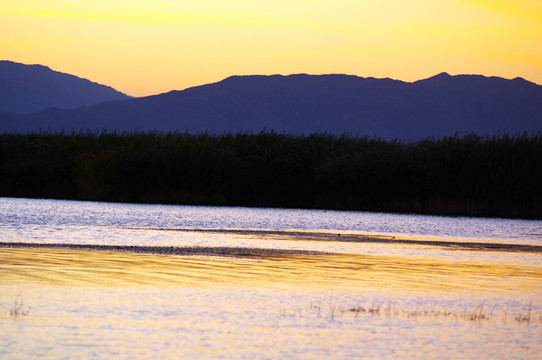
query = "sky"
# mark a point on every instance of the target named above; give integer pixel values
(146, 47)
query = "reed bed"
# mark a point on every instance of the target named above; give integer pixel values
(494, 176)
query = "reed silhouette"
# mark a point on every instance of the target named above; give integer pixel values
(495, 176)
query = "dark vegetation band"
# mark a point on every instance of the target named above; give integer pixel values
(498, 176)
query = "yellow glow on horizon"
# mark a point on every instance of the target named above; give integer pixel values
(144, 47)
(524, 8)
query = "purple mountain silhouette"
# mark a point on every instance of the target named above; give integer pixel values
(27, 89)
(439, 106)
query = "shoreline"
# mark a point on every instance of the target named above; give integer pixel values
(166, 250)
(277, 235)
(362, 238)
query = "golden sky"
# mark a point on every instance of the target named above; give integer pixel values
(145, 47)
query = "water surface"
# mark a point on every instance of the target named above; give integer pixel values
(97, 280)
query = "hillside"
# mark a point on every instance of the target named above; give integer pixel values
(26, 89)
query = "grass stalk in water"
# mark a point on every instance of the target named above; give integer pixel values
(17, 307)
(480, 313)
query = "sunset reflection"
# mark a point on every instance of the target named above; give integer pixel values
(350, 272)
(197, 306)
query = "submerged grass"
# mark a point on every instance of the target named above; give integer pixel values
(17, 307)
(479, 313)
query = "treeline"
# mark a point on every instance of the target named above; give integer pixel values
(499, 176)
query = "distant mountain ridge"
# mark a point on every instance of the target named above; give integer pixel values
(26, 89)
(438, 106)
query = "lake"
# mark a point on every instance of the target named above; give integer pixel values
(107, 280)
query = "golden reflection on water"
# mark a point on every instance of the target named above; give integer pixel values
(105, 304)
(348, 271)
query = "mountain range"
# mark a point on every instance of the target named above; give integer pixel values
(442, 105)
